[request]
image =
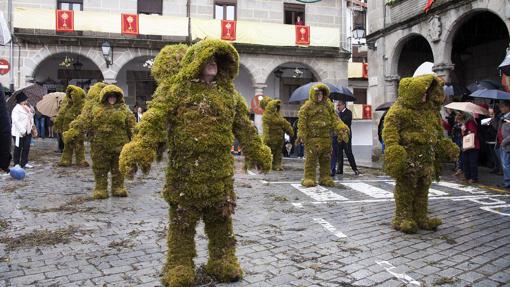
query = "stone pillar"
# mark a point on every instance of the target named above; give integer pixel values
(259, 91)
(392, 87)
(444, 71)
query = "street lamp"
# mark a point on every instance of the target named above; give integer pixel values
(504, 67)
(358, 32)
(107, 50)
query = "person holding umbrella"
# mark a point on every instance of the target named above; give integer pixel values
(502, 145)
(471, 152)
(5, 134)
(337, 154)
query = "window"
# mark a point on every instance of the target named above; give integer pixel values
(225, 10)
(76, 5)
(360, 95)
(292, 12)
(150, 7)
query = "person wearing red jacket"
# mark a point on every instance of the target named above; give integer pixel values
(470, 156)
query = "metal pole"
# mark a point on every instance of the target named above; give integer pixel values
(11, 52)
(188, 14)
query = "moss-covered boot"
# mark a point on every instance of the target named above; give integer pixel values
(328, 181)
(100, 191)
(430, 223)
(225, 270)
(407, 226)
(179, 276)
(307, 182)
(83, 163)
(119, 192)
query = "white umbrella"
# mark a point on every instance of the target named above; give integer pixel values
(424, 69)
(467, 107)
(50, 104)
(5, 33)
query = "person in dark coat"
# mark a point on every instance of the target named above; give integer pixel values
(337, 154)
(380, 128)
(5, 134)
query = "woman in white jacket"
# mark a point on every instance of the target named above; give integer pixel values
(22, 127)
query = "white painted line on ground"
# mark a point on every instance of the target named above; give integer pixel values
(494, 209)
(466, 188)
(319, 193)
(431, 190)
(369, 190)
(330, 227)
(264, 181)
(297, 204)
(250, 172)
(336, 181)
(400, 276)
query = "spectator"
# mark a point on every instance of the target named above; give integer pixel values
(300, 148)
(22, 129)
(505, 151)
(5, 134)
(457, 139)
(380, 128)
(470, 156)
(339, 147)
(504, 107)
(138, 114)
(299, 22)
(40, 124)
(495, 115)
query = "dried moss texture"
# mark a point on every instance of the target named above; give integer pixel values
(199, 123)
(317, 121)
(110, 127)
(415, 145)
(274, 127)
(70, 109)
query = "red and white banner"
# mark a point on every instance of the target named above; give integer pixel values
(64, 20)
(228, 30)
(428, 6)
(302, 35)
(367, 112)
(130, 24)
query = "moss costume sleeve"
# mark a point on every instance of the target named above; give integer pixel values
(395, 155)
(58, 124)
(250, 141)
(302, 120)
(288, 127)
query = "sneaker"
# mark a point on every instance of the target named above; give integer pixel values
(28, 166)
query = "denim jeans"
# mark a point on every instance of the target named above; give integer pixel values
(39, 124)
(505, 163)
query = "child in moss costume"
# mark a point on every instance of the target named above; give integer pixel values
(111, 123)
(317, 120)
(201, 112)
(70, 109)
(414, 147)
(274, 126)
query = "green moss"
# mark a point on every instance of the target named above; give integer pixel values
(274, 126)
(168, 62)
(197, 123)
(415, 145)
(70, 109)
(317, 121)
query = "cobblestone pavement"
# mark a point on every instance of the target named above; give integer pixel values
(287, 236)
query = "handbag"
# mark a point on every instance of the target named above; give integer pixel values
(468, 142)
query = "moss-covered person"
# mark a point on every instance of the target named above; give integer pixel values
(317, 120)
(202, 113)
(111, 122)
(70, 109)
(274, 126)
(414, 147)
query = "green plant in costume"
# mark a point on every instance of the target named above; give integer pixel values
(317, 120)
(274, 126)
(415, 145)
(70, 109)
(111, 126)
(201, 119)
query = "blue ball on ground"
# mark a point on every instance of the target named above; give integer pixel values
(17, 173)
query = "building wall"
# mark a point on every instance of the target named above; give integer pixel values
(383, 76)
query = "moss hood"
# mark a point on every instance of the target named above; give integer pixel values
(168, 62)
(270, 105)
(95, 90)
(199, 54)
(325, 91)
(421, 92)
(74, 95)
(112, 89)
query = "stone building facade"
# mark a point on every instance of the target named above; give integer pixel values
(465, 39)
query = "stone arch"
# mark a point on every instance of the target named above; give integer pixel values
(135, 79)
(31, 64)
(245, 83)
(122, 56)
(401, 46)
(306, 65)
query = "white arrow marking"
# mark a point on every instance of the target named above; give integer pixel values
(494, 207)
(466, 188)
(330, 227)
(400, 276)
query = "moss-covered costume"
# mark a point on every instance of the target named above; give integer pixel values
(415, 145)
(70, 109)
(200, 123)
(110, 127)
(317, 121)
(274, 126)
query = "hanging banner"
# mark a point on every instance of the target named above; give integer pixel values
(367, 112)
(64, 20)
(302, 35)
(129, 24)
(228, 30)
(428, 6)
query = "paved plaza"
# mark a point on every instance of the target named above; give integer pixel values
(52, 234)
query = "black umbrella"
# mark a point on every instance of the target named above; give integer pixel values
(491, 94)
(384, 107)
(344, 95)
(34, 93)
(302, 93)
(455, 90)
(484, 84)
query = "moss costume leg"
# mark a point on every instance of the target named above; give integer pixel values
(222, 264)
(325, 164)
(117, 177)
(421, 205)
(276, 150)
(67, 155)
(100, 168)
(79, 153)
(404, 205)
(179, 270)
(310, 165)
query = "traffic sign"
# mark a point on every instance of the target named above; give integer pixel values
(5, 67)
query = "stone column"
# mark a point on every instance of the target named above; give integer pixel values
(259, 91)
(444, 71)
(392, 87)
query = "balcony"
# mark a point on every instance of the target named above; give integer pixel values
(407, 9)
